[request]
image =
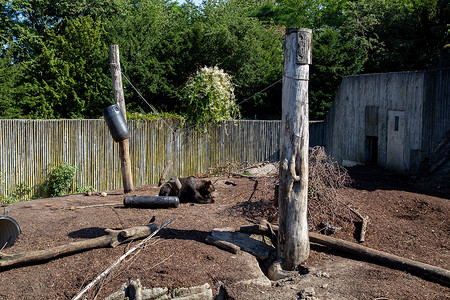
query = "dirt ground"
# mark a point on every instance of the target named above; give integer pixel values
(408, 217)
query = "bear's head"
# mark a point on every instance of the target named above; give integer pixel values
(207, 189)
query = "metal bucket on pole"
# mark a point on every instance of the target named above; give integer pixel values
(116, 123)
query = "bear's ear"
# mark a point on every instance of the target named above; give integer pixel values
(209, 182)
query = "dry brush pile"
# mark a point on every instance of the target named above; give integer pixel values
(326, 178)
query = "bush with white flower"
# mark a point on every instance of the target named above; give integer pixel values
(208, 97)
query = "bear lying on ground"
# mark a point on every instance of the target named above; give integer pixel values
(190, 189)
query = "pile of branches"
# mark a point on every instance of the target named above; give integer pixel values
(325, 211)
(326, 178)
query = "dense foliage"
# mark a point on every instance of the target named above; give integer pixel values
(59, 179)
(208, 96)
(54, 60)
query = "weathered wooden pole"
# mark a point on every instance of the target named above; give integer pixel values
(124, 148)
(293, 241)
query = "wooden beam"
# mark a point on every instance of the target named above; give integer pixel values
(124, 148)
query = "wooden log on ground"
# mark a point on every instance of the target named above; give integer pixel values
(418, 268)
(242, 175)
(113, 239)
(364, 219)
(259, 229)
(391, 260)
(230, 247)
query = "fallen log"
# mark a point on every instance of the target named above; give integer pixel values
(418, 268)
(258, 229)
(230, 247)
(364, 219)
(243, 175)
(117, 262)
(113, 239)
(95, 205)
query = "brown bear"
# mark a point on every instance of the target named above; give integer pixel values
(190, 189)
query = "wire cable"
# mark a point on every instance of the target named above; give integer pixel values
(151, 106)
(243, 101)
(207, 120)
(261, 91)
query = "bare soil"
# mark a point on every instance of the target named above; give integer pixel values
(408, 217)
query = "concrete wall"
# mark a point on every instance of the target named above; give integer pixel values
(437, 108)
(346, 121)
(396, 110)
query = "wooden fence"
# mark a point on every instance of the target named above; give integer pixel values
(28, 149)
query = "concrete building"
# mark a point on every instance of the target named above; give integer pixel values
(400, 121)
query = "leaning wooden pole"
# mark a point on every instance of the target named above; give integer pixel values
(293, 242)
(124, 148)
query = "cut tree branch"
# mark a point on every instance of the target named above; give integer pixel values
(364, 219)
(113, 239)
(230, 247)
(104, 273)
(391, 260)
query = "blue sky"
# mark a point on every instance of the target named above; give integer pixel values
(197, 2)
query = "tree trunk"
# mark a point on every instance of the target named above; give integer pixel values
(293, 242)
(124, 151)
(113, 239)
(371, 255)
(421, 269)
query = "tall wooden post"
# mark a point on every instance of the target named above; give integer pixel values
(124, 150)
(293, 241)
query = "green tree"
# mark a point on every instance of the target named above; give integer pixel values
(70, 78)
(54, 60)
(162, 44)
(9, 86)
(336, 52)
(57, 64)
(401, 35)
(148, 36)
(225, 35)
(5, 25)
(358, 36)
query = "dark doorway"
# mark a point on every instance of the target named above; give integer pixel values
(371, 149)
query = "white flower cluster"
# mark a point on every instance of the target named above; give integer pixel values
(209, 95)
